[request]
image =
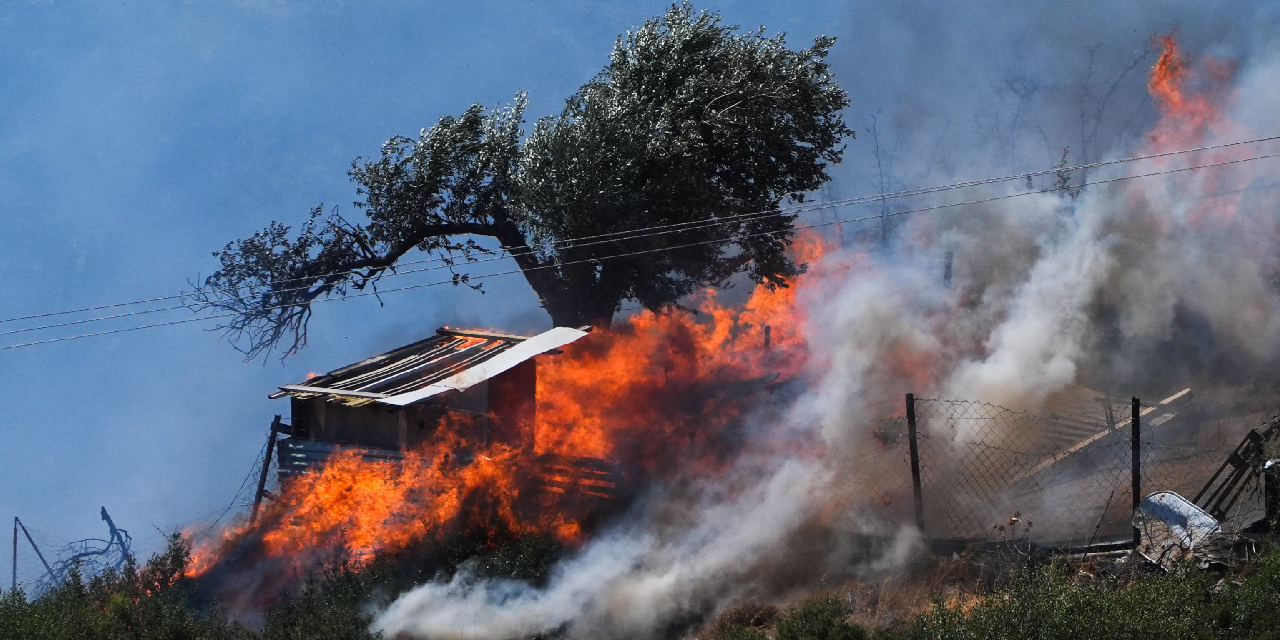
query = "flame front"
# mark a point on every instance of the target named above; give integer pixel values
(1168, 76)
(657, 393)
(1190, 100)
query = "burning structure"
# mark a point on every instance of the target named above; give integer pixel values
(1158, 276)
(392, 403)
(476, 389)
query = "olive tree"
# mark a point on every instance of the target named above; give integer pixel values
(664, 174)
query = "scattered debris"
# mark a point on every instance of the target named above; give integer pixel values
(1171, 527)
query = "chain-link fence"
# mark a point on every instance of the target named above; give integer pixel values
(987, 473)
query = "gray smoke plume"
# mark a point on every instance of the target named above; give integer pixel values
(1138, 283)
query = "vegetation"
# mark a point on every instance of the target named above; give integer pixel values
(1041, 599)
(1060, 599)
(137, 603)
(157, 601)
(661, 176)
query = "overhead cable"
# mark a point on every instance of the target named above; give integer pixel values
(640, 232)
(672, 248)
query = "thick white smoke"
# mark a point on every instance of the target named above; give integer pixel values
(1140, 282)
(632, 581)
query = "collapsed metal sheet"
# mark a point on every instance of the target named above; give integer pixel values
(537, 345)
(1170, 527)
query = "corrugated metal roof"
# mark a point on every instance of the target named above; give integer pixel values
(450, 360)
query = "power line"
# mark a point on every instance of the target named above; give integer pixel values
(243, 483)
(683, 246)
(639, 233)
(98, 319)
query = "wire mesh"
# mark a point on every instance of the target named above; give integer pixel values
(991, 473)
(877, 479)
(1182, 455)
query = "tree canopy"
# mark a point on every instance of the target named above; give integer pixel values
(662, 175)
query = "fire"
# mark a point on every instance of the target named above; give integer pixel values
(655, 394)
(1167, 77)
(665, 391)
(1187, 116)
(1192, 101)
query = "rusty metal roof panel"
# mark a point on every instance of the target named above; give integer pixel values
(488, 367)
(450, 360)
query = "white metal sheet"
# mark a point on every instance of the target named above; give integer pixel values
(1171, 526)
(539, 344)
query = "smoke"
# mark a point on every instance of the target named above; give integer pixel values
(1133, 283)
(636, 579)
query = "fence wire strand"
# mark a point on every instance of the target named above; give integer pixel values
(990, 473)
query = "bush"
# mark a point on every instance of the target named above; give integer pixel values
(151, 602)
(823, 619)
(331, 606)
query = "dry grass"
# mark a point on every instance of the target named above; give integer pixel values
(885, 602)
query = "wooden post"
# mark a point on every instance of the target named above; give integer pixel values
(402, 423)
(1135, 444)
(14, 583)
(915, 460)
(266, 466)
(33, 546)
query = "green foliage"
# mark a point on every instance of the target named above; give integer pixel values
(528, 559)
(662, 175)
(151, 602)
(1051, 602)
(823, 619)
(331, 606)
(1057, 601)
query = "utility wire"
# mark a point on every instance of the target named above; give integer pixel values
(235, 498)
(632, 233)
(100, 318)
(683, 246)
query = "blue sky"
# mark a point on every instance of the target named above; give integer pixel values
(137, 138)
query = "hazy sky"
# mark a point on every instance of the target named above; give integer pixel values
(137, 138)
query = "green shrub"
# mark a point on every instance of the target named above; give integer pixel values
(151, 602)
(823, 619)
(330, 606)
(528, 558)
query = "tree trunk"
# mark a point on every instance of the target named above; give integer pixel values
(567, 304)
(568, 309)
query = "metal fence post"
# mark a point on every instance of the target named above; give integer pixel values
(915, 460)
(1135, 442)
(1270, 492)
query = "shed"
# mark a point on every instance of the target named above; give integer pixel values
(388, 404)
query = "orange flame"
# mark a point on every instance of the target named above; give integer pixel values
(1192, 101)
(664, 391)
(654, 394)
(1186, 117)
(1167, 77)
